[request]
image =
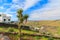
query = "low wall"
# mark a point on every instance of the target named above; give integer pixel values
(14, 26)
(8, 25)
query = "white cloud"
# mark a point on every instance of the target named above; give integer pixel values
(1, 7)
(50, 11)
(14, 19)
(14, 6)
(30, 3)
(7, 4)
(0, 12)
(15, 1)
(9, 15)
(26, 4)
(5, 13)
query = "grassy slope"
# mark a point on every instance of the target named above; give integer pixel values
(50, 23)
(38, 24)
(3, 29)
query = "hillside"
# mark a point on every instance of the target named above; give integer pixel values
(52, 26)
(45, 22)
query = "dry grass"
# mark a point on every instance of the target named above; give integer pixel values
(53, 25)
(45, 22)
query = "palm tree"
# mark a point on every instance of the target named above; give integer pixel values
(20, 21)
(26, 17)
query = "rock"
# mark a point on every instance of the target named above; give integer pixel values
(5, 38)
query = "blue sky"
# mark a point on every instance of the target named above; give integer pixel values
(36, 9)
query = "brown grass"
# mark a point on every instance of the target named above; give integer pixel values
(45, 22)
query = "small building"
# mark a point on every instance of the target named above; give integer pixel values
(4, 18)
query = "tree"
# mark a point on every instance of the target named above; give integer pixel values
(20, 21)
(26, 17)
(20, 15)
(21, 18)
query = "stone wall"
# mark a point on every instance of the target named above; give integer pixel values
(8, 25)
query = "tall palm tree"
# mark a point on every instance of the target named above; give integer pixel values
(26, 17)
(20, 21)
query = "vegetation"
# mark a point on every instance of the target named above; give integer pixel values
(11, 29)
(53, 27)
(21, 19)
(25, 18)
(15, 37)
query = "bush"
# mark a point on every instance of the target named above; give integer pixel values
(11, 29)
(51, 38)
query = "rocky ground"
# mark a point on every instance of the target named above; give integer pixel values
(3, 37)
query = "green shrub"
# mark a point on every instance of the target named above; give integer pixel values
(51, 38)
(11, 29)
